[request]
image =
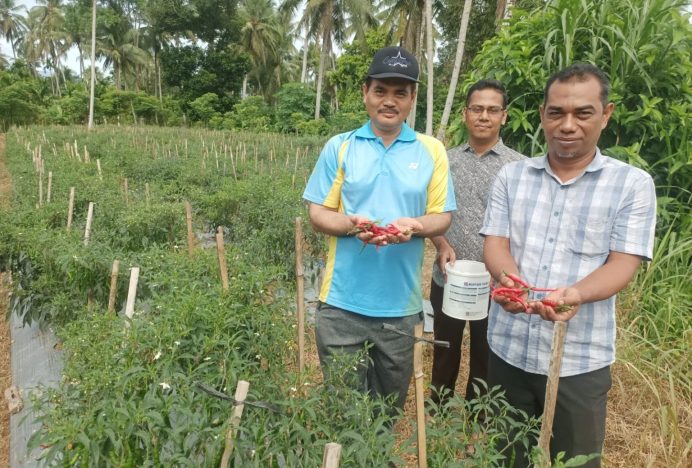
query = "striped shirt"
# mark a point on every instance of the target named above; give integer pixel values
(559, 233)
(473, 176)
(357, 174)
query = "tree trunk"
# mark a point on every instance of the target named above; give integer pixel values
(306, 46)
(93, 66)
(417, 47)
(157, 70)
(320, 73)
(429, 60)
(461, 42)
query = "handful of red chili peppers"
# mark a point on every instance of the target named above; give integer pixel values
(372, 227)
(514, 294)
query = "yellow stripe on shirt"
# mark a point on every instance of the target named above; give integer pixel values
(437, 188)
(333, 199)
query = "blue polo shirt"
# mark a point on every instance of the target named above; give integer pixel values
(356, 174)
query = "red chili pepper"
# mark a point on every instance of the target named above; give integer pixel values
(516, 279)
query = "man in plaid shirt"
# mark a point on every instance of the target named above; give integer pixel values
(577, 221)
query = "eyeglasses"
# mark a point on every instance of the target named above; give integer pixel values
(492, 110)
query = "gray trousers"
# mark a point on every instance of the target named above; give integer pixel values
(388, 366)
(580, 412)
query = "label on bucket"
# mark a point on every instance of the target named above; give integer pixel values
(467, 291)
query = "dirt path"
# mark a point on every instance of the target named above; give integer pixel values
(5, 368)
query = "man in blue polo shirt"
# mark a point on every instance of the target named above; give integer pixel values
(387, 173)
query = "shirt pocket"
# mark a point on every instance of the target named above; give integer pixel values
(589, 236)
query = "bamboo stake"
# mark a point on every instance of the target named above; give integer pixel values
(98, 166)
(132, 293)
(125, 191)
(87, 159)
(50, 186)
(221, 251)
(40, 187)
(556, 352)
(114, 285)
(70, 209)
(420, 397)
(87, 229)
(332, 455)
(190, 235)
(300, 299)
(240, 395)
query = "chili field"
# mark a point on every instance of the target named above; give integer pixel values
(140, 375)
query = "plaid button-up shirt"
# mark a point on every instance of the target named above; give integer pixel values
(559, 233)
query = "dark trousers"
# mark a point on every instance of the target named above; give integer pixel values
(580, 412)
(390, 365)
(446, 361)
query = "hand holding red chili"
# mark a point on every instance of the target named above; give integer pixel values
(512, 295)
(369, 232)
(560, 305)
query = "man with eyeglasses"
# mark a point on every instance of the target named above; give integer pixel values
(473, 166)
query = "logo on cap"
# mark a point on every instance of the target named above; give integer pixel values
(397, 61)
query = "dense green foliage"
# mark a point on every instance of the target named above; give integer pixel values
(644, 49)
(129, 395)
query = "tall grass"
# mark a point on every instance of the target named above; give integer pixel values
(656, 334)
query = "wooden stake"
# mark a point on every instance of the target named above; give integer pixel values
(221, 251)
(190, 235)
(70, 209)
(332, 455)
(125, 191)
(87, 159)
(98, 166)
(300, 294)
(556, 352)
(90, 217)
(234, 421)
(132, 292)
(420, 397)
(114, 285)
(40, 187)
(50, 186)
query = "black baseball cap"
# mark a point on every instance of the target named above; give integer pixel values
(394, 62)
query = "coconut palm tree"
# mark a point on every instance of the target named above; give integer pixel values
(46, 39)
(331, 21)
(260, 37)
(12, 23)
(461, 42)
(119, 50)
(406, 18)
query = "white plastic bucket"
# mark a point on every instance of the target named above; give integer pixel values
(467, 290)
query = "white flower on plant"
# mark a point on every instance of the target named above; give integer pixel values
(177, 343)
(157, 356)
(165, 386)
(207, 358)
(257, 334)
(293, 389)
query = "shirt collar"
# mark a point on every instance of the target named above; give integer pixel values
(406, 133)
(495, 149)
(596, 163)
(541, 163)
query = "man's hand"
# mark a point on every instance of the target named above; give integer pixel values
(561, 297)
(511, 306)
(445, 254)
